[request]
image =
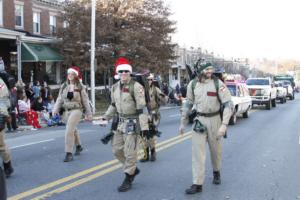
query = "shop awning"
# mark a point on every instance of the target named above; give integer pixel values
(10, 34)
(32, 52)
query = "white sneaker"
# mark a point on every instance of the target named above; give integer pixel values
(33, 129)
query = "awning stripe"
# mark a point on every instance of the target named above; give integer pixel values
(31, 52)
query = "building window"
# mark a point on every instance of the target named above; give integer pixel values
(19, 16)
(66, 24)
(1, 12)
(36, 22)
(52, 24)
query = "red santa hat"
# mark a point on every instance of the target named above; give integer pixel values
(75, 70)
(122, 64)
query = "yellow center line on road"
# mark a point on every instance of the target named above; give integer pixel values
(101, 173)
(80, 174)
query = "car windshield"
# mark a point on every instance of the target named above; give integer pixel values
(285, 83)
(232, 89)
(278, 84)
(257, 82)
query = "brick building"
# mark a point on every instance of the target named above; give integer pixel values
(27, 32)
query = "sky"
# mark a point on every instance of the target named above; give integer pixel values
(239, 28)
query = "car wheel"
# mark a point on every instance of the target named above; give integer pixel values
(268, 105)
(274, 103)
(282, 100)
(246, 114)
(232, 120)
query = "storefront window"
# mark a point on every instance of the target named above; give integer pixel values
(50, 75)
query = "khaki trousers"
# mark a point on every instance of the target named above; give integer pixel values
(125, 148)
(4, 151)
(150, 143)
(199, 148)
(72, 118)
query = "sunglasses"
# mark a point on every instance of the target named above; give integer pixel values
(123, 71)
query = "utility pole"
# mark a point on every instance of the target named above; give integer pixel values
(93, 25)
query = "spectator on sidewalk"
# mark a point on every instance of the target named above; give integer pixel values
(20, 89)
(38, 105)
(31, 115)
(50, 105)
(45, 93)
(12, 122)
(165, 89)
(29, 92)
(36, 89)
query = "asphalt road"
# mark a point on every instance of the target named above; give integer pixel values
(260, 162)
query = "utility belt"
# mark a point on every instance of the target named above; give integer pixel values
(208, 114)
(128, 116)
(72, 106)
(70, 109)
(131, 123)
(122, 119)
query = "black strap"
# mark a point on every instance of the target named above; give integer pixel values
(208, 114)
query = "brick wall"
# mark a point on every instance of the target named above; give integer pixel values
(9, 15)
(28, 20)
(45, 20)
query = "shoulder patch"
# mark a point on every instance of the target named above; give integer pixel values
(222, 88)
(141, 90)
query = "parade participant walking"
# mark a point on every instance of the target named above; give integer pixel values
(73, 98)
(4, 106)
(208, 94)
(128, 101)
(157, 98)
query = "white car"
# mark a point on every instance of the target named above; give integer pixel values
(262, 92)
(290, 90)
(241, 100)
(281, 91)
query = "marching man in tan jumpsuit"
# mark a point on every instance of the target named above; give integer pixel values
(208, 126)
(4, 105)
(157, 98)
(128, 100)
(74, 99)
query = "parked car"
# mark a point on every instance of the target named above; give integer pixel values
(290, 90)
(262, 92)
(241, 100)
(281, 91)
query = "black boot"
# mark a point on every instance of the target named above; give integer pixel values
(194, 189)
(217, 178)
(153, 155)
(136, 172)
(78, 150)
(69, 157)
(8, 169)
(146, 155)
(126, 185)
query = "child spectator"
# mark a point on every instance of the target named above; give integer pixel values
(38, 105)
(31, 115)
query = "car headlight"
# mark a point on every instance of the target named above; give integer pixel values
(265, 92)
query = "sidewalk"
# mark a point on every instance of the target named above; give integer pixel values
(96, 116)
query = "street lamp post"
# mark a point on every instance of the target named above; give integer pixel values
(93, 25)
